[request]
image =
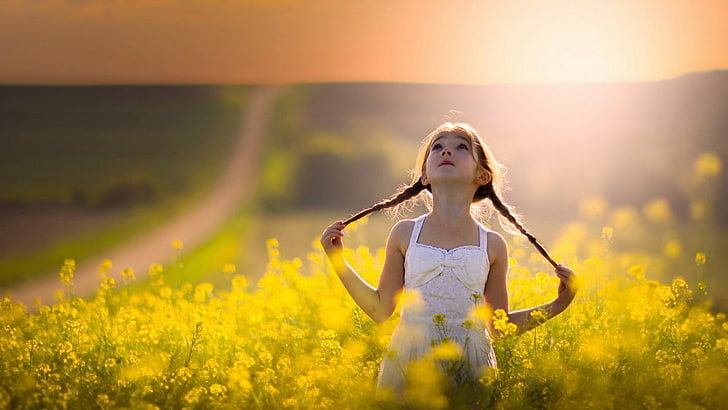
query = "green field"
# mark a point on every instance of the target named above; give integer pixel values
(74, 144)
(134, 156)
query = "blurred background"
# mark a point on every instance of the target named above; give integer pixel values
(118, 119)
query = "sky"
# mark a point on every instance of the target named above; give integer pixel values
(292, 41)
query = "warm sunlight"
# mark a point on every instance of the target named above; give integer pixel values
(582, 42)
(463, 41)
(565, 57)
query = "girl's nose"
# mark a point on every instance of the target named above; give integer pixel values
(446, 151)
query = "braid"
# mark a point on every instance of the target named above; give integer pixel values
(504, 210)
(407, 193)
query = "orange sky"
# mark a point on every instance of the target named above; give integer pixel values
(284, 41)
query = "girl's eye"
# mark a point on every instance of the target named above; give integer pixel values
(436, 147)
(462, 146)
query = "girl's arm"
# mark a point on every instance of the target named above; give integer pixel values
(379, 303)
(496, 290)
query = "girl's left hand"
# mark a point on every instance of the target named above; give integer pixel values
(568, 286)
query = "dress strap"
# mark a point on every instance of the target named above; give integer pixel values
(483, 238)
(416, 230)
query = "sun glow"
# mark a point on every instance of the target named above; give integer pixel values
(572, 48)
(463, 41)
(573, 59)
(575, 43)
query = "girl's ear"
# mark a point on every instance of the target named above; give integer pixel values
(483, 178)
(424, 180)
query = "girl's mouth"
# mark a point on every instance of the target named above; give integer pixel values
(446, 163)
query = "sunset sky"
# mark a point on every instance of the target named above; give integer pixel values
(286, 41)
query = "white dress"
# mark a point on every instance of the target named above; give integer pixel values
(439, 281)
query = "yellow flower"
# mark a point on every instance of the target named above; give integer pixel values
(202, 291)
(183, 374)
(5, 399)
(218, 391)
(155, 269)
(708, 165)
(166, 292)
(447, 350)
(490, 376)
(608, 233)
(31, 345)
(658, 211)
(502, 325)
(107, 283)
(239, 380)
(637, 272)
(624, 218)
(272, 246)
(75, 326)
(69, 266)
(679, 286)
(103, 401)
(539, 316)
(426, 388)
(481, 313)
(439, 319)
(673, 249)
(700, 259)
(128, 275)
(193, 396)
(177, 244)
(43, 370)
(265, 359)
(105, 267)
(722, 345)
(468, 324)
(297, 334)
(239, 283)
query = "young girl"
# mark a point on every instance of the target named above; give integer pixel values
(447, 259)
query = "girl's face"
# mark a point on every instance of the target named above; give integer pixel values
(450, 158)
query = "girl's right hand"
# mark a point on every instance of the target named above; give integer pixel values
(331, 238)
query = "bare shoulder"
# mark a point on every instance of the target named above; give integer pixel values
(402, 229)
(495, 237)
(497, 248)
(400, 233)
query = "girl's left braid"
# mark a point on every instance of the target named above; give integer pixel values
(506, 212)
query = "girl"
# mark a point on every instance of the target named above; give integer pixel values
(447, 260)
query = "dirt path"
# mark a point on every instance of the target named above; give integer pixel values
(192, 228)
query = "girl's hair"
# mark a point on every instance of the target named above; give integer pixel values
(492, 190)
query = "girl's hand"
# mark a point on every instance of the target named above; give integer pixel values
(331, 238)
(568, 286)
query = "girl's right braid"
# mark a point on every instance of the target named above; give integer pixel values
(407, 193)
(506, 212)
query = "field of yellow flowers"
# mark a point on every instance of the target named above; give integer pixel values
(296, 340)
(636, 336)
